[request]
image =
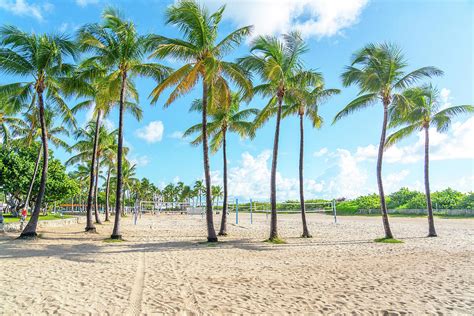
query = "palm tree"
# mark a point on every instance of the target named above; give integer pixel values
(93, 142)
(223, 119)
(8, 120)
(216, 194)
(280, 67)
(424, 111)
(41, 59)
(379, 72)
(117, 47)
(199, 189)
(110, 154)
(202, 55)
(305, 102)
(93, 81)
(29, 131)
(81, 175)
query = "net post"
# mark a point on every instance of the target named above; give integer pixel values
(251, 216)
(334, 210)
(236, 211)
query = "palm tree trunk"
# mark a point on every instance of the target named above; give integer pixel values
(383, 205)
(211, 233)
(107, 197)
(30, 189)
(273, 221)
(223, 230)
(89, 224)
(96, 191)
(432, 230)
(118, 194)
(306, 233)
(30, 229)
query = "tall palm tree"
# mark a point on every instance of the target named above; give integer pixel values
(424, 112)
(305, 102)
(101, 89)
(40, 59)
(118, 47)
(29, 131)
(223, 119)
(92, 142)
(280, 67)
(379, 72)
(110, 154)
(202, 55)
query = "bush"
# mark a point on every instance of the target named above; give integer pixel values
(467, 202)
(446, 199)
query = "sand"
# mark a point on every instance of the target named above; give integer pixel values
(163, 267)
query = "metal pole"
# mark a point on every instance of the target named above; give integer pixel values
(251, 217)
(236, 211)
(334, 211)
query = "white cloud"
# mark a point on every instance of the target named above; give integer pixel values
(24, 8)
(151, 133)
(318, 18)
(457, 143)
(109, 125)
(140, 161)
(84, 3)
(348, 179)
(323, 151)
(251, 179)
(445, 97)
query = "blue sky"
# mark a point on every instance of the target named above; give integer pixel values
(339, 159)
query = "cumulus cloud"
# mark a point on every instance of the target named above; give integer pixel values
(457, 143)
(24, 8)
(251, 179)
(151, 133)
(318, 18)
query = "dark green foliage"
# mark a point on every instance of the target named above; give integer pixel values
(16, 171)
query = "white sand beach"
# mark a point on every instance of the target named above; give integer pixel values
(164, 268)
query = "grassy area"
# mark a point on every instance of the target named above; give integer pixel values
(7, 218)
(388, 241)
(110, 240)
(342, 213)
(276, 241)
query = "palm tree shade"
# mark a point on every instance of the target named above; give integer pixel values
(379, 72)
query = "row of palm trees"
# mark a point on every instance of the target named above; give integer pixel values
(115, 54)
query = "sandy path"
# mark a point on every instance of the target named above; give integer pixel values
(164, 268)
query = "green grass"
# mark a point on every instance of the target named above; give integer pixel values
(388, 241)
(276, 241)
(7, 218)
(111, 241)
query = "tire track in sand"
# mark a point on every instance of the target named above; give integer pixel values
(136, 293)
